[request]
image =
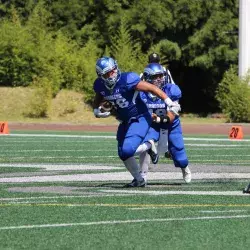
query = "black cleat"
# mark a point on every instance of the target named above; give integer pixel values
(136, 183)
(168, 155)
(153, 152)
(247, 189)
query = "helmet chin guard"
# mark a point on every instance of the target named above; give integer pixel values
(111, 81)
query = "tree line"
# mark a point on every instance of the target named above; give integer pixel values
(58, 42)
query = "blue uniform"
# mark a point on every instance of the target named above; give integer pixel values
(131, 111)
(175, 137)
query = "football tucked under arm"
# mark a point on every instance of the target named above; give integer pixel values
(106, 106)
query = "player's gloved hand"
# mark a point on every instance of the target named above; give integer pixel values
(173, 106)
(99, 114)
(175, 109)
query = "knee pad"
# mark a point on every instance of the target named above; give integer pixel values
(181, 163)
(126, 151)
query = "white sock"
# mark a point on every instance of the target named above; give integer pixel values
(133, 168)
(143, 148)
(144, 164)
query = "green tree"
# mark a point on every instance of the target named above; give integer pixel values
(126, 50)
(23, 8)
(233, 95)
(16, 53)
(197, 39)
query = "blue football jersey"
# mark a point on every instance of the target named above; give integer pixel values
(158, 106)
(127, 101)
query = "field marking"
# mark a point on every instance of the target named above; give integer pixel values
(63, 136)
(57, 157)
(217, 155)
(192, 147)
(61, 159)
(202, 211)
(29, 202)
(115, 222)
(114, 137)
(223, 193)
(120, 176)
(236, 162)
(54, 142)
(119, 205)
(217, 145)
(228, 211)
(62, 166)
(56, 150)
(145, 208)
(43, 197)
(83, 196)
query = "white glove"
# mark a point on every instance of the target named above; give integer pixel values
(173, 106)
(99, 114)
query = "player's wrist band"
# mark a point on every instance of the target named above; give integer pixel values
(165, 119)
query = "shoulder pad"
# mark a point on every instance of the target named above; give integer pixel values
(174, 92)
(132, 79)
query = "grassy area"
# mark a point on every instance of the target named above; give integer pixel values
(66, 107)
(52, 211)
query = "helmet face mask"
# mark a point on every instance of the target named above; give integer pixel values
(158, 80)
(154, 73)
(107, 69)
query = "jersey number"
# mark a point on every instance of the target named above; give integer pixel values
(122, 103)
(159, 112)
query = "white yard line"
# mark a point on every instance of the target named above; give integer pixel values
(148, 192)
(121, 176)
(217, 145)
(29, 202)
(145, 208)
(115, 222)
(38, 198)
(63, 136)
(56, 150)
(233, 155)
(61, 166)
(226, 211)
(59, 157)
(113, 137)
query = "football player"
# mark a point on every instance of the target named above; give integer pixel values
(155, 58)
(122, 90)
(164, 118)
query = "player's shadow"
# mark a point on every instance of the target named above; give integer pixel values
(150, 184)
(164, 184)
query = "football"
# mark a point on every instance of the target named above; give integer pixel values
(106, 106)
